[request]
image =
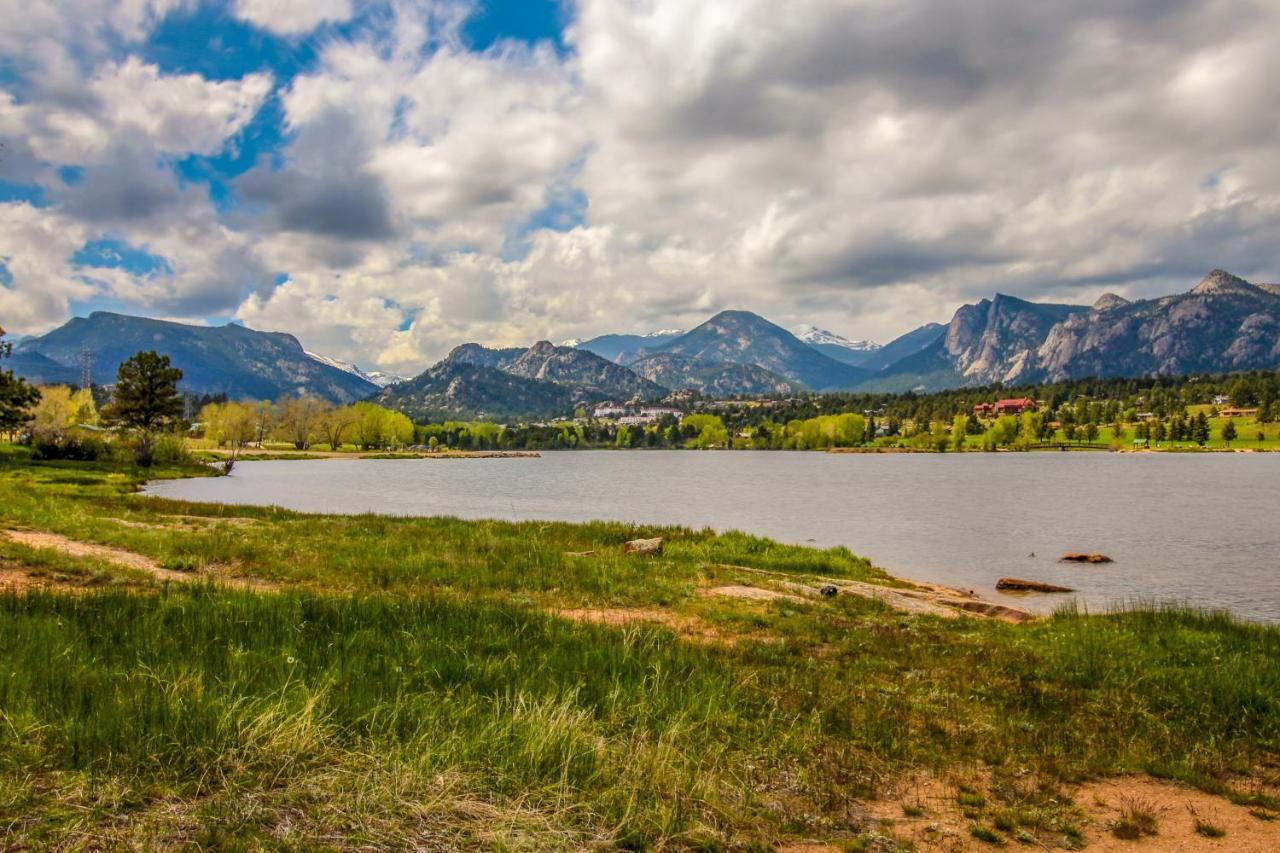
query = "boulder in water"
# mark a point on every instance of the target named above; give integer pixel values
(1020, 585)
(1073, 557)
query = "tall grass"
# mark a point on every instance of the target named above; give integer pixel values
(412, 686)
(627, 735)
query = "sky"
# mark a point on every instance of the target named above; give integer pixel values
(388, 179)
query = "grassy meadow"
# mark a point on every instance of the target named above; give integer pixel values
(437, 683)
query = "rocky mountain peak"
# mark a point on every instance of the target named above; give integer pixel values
(1221, 281)
(1109, 301)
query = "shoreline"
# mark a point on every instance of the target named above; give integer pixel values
(971, 569)
(908, 595)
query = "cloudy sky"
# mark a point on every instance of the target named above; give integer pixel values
(387, 179)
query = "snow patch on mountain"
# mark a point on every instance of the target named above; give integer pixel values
(377, 377)
(814, 335)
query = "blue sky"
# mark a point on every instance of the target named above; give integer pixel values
(389, 178)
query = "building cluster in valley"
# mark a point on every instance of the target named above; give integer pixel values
(635, 415)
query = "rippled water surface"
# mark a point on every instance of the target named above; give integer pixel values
(1203, 529)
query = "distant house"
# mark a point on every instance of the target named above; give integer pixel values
(609, 410)
(1220, 399)
(1013, 406)
(1231, 412)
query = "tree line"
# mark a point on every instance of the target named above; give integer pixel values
(1091, 400)
(303, 421)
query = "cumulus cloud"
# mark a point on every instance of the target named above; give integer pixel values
(865, 165)
(292, 17)
(121, 124)
(172, 114)
(36, 246)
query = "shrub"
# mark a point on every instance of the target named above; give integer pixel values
(1137, 818)
(170, 449)
(77, 446)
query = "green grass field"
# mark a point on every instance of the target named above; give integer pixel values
(1247, 430)
(416, 682)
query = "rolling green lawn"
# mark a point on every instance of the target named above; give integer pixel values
(1246, 428)
(418, 682)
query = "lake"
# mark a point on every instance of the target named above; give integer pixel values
(1191, 528)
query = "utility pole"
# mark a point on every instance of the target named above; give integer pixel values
(86, 367)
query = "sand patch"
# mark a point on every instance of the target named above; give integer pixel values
(1176, 809)
(755, 593)
(688, 627)
(929, 813)
(13, 579)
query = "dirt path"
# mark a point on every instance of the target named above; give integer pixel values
(121, 557)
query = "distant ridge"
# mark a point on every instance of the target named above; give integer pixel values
(230, 359)
(1223, 324)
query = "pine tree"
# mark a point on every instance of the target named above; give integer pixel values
(146, 399)
(1200, 432)
(16, 396)
(1229, 432)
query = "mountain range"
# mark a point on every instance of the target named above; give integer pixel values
(230, 359)
(544, 379)
(1224, 323)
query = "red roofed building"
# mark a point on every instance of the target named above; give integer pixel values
(1015, 406)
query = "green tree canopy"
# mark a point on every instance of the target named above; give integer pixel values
(16, 396)
(146, 399)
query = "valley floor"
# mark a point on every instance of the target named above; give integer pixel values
(227, 676)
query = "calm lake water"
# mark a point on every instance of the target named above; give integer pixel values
(1199, 529)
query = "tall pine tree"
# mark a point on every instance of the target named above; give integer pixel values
(146, 400)
(16, 396)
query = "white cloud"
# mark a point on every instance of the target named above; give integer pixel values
(35, 248)
(173, 113)
(292, 17)
(865, 165)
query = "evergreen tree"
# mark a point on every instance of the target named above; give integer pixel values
(1229, 432)
(146, 399)
(16, 396)
(1200, 431)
